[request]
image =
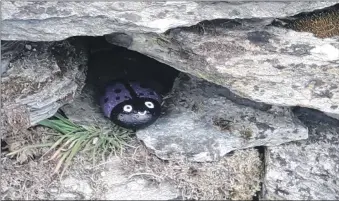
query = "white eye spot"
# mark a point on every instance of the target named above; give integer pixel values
(149, 104)
(128, 108)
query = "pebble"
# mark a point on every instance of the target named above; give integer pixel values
(29, 47)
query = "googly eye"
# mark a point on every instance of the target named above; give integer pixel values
(128, 108)
(149, 104)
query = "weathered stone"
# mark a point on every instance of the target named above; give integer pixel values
(308, 169)
(263, 63)
(38, 21)
(115, 185)
(39, 78)
(85, 110)
(200, 123)
(123, 187)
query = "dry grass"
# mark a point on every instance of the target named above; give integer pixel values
(323, 24)
(29, 181)
(229, 178)
(26, 177)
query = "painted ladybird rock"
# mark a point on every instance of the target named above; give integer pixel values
(131, 104)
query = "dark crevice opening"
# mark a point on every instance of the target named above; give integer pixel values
(108, 62)
(258, 195)
(4, 146)
(311, 117)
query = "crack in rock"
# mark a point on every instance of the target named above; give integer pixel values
(202, 125)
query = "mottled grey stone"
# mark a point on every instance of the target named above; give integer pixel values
(40, 77)
(85, 109)
(52, 20)
(308, 169)
(112, 183)
(200, 123)
(259, 62)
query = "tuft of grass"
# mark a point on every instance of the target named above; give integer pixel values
(322, 24)
(72, 138)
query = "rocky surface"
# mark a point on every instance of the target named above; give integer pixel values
(240, 48)
(114, 184)
(238, 174)
(85, 109)
(46, 21)
(200, 123)
(308, 169)
(38, 78)
(263, 63)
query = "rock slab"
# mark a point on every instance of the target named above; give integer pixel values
(308, 169)
(201, 124)
(255, 60)
(38, 78)
(51, 20)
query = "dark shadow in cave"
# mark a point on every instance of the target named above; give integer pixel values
(311, 117)
(108, 62)
(4, 146)
(258, 194)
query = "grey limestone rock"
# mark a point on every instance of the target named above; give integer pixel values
(254, 60)
(201, 124)
(51, 20)
(308, 169)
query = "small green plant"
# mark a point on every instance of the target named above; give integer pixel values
(71, 138)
